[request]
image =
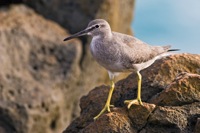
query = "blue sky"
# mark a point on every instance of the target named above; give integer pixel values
(175, 22)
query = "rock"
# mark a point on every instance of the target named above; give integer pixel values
(197, 126)
(173, 119)
(163, 83)
(114, 122)
(139, 114)
(185, 89)
(75, 15)
(8, 2)
(119, 120)
(38, 73)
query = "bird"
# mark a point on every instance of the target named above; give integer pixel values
(119, 53)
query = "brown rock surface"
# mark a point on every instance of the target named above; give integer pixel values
(185, 89)
(114, 122)
(174, 118)
(169, 85)
(139, 114)
(36, 67)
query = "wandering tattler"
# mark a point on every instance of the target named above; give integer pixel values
(120, 53)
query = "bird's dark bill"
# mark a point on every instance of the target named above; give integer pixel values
(81, 33)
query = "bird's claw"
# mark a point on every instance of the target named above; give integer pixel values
(131, 102)
(112, 106)
(106, 108)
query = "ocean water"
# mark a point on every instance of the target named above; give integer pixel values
(174, 22)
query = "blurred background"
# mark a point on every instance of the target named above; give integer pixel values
(42, 78)
(175, 22)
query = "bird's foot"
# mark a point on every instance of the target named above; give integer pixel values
(106, 108)
(112, 106)
(131, 102)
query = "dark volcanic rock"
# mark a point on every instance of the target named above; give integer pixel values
(36, 67)
(172, 87)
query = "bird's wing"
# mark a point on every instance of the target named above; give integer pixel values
(136, 51)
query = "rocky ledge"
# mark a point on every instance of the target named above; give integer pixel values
(171, 96)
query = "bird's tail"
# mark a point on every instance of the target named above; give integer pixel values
(167, 48)
(173, 50)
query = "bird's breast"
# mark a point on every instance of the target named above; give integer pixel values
(100, 50)
(106, 54)
(93, 46)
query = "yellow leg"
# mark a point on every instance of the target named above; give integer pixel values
(139, 88)
(138, 100)
(107, 105)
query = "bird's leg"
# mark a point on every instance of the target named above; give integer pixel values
(138, 100)
(107, 105)
(139, 88)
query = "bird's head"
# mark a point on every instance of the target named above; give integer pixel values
(97, 27)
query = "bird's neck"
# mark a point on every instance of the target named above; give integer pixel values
(104, 35)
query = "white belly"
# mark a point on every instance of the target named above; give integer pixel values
(146, 64)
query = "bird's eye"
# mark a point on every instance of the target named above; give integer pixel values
(96, 26)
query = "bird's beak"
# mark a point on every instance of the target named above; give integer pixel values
(81, 33)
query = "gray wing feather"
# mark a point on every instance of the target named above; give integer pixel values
(135, 51)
